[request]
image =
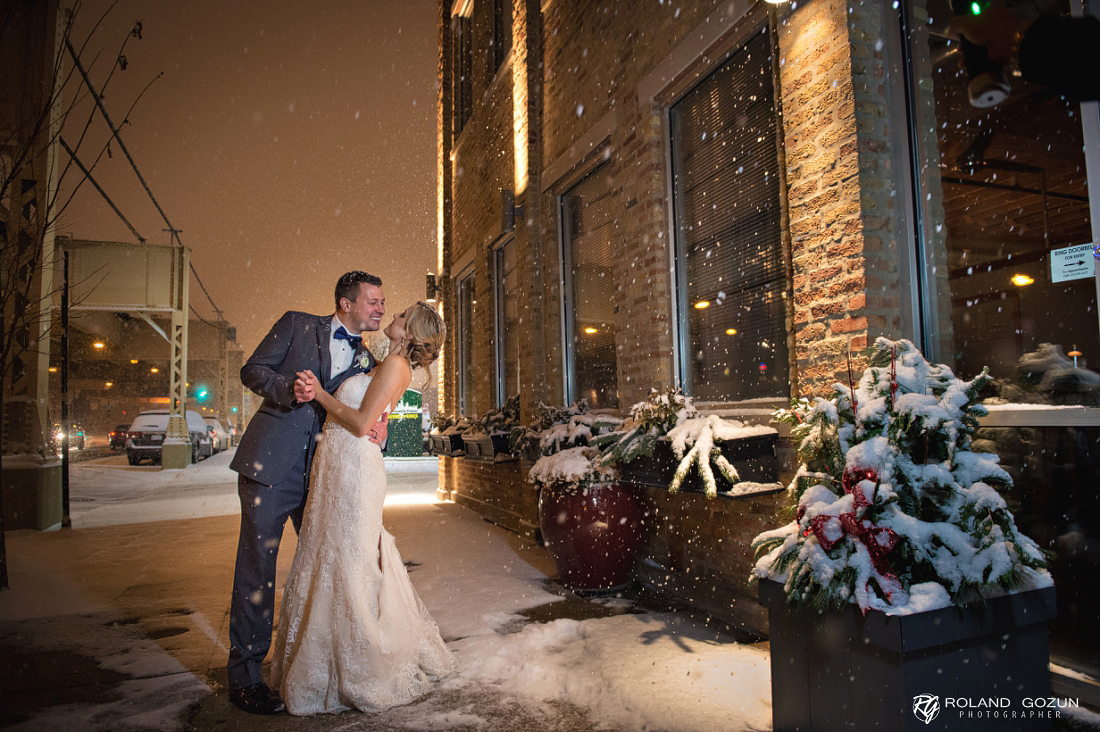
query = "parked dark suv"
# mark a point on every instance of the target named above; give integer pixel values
(118, 436)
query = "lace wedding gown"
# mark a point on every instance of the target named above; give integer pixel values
(351, 634)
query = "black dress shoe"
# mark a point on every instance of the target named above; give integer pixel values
(257, 699)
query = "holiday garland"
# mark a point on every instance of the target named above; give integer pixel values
(891, 508)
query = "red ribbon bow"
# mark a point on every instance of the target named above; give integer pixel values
(879, 540)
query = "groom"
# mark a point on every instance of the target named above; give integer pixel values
(274, 456)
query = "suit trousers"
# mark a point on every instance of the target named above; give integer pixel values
(264, 512)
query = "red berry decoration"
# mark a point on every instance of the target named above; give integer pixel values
(853, 476)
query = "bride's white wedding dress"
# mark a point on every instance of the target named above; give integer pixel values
(352, 634)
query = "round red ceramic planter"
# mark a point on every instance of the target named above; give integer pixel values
(592, 534)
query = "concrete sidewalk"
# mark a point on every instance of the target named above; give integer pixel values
(125, 628)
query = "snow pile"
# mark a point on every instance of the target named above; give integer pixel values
(575, 467)
(894, 510)
(694, 442)
(631, 671)
(646, 671)
(577, 431)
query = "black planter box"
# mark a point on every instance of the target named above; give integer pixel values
(447, 445)
(487, 447)
(846, 670)
(753, 457)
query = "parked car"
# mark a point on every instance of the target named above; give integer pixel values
(76, 436)
(219, 434)
(146, 435)
(118, 436)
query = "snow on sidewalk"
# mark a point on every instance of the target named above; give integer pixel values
(634, 671)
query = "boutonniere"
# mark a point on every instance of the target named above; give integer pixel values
(362, 359)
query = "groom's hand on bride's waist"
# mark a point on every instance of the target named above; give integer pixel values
(378, 432)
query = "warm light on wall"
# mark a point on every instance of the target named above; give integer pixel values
(702, 305)
(109, 384)
(99, 345)
(154, 370)
(519, 102)
(731, 331)
(53, 369)
(1022, 280)
(133, 360)
(590, 330)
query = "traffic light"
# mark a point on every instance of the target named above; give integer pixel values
(202, 393)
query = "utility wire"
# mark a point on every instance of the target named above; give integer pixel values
(122, 145)
(87, 174)
(199, 280)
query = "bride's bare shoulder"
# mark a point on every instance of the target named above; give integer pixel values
(397, 362)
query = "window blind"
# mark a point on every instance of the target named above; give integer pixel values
(726, 194)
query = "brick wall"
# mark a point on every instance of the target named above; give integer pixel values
(840, 196)
(596, 54)
(498, 491)
(581, 61)
(699, 549)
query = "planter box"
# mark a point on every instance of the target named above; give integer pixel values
(447, 445)
(487, 447)
(753, 457)
(847, 670)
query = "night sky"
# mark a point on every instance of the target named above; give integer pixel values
(290, 141)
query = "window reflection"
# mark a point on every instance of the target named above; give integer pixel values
(1012, 211)
(588, 223)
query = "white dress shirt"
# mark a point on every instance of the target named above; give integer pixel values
(341, 351)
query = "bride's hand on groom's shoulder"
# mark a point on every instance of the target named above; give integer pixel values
(305, 386)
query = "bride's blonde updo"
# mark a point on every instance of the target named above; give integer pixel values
(425, 332)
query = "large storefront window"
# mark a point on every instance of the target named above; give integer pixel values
(1007, 217)
(732, 278)
(466, 302)
(588, 223)
(507, 321)
(1008, 283)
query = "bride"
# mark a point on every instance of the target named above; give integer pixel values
(353, 632)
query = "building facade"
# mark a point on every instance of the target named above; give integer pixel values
(737, 198)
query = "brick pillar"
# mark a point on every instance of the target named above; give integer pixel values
(845, 266)
(645, 338)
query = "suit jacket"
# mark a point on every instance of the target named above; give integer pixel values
(282, 426)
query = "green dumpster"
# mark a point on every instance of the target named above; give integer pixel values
(405, 436)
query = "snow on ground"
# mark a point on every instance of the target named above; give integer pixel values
(639, 672)
(628, 672)
(635, 672)
(137, 685)
(643, 671)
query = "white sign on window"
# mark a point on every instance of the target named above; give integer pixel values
(1071, 263)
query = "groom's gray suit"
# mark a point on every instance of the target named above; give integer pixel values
(273, 461)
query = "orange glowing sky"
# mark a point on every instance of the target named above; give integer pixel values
(289, 141)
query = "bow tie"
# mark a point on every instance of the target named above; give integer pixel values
(342, 335)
